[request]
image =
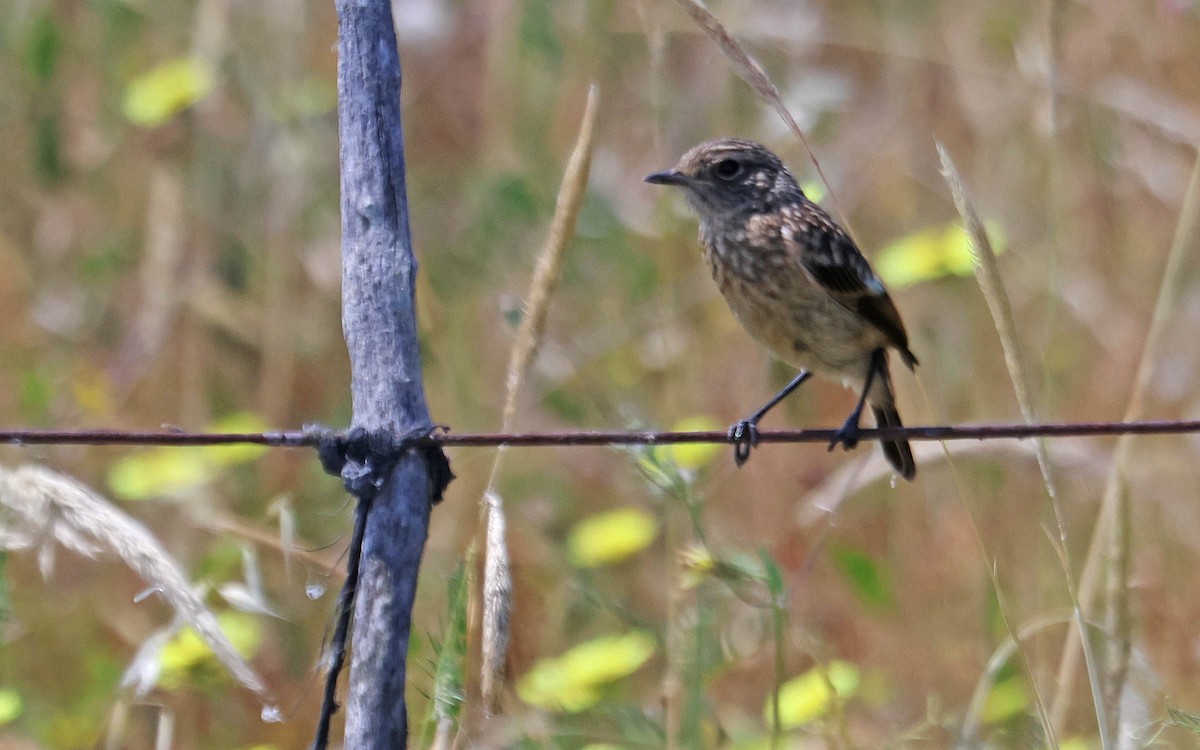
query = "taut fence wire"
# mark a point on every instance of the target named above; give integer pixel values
(311, 438)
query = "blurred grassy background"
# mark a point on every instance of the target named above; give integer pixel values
(169, 237)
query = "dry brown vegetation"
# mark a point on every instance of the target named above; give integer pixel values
(182, 271)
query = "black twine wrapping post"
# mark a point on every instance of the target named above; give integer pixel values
(364, 460)
(361, 479)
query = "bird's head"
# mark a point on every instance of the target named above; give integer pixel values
(728, 175)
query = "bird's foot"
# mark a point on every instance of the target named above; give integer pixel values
(744, 436)
(847, 434)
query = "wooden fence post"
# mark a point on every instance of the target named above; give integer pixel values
(379, 321)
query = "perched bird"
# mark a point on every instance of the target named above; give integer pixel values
(796, 281)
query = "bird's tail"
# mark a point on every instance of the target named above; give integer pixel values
(897, 452)
(883, 406)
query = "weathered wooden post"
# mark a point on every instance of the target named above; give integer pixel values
(379, 321)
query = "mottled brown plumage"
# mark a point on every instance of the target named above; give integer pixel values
(795, 280)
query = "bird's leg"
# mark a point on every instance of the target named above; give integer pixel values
(744, 434)
(847, 434)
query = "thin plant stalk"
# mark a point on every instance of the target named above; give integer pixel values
(1187, 238)
(973, 717)
(987, 274)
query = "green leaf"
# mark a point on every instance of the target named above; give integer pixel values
(170, 470)
(47, 151)
(1006, 700)
(36, 394)
(692, 456)
(571, 682)
(1183, 720)
(565, 405)
(92, 390)
(814, 190)
(159, 471)
(45, 45)
(868, 580)
(233, 455)
(187, 658)
(773, 577)
(931, 254)
(809, 696)
(511, 197)
(159, 94)
(538, 33)
(610, 537)
(11, 705)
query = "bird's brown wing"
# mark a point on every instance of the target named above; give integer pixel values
(835, 264)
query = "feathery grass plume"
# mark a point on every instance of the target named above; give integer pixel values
(497, 580)
(987, 275)
(1107, 540)
(45, 507)
(497, 601)
(748, 69)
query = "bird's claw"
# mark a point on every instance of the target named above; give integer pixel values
(846, 435)
(744, 436)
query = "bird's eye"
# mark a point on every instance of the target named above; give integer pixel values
(728, 169)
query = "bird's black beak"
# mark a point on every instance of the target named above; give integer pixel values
(669, 177)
